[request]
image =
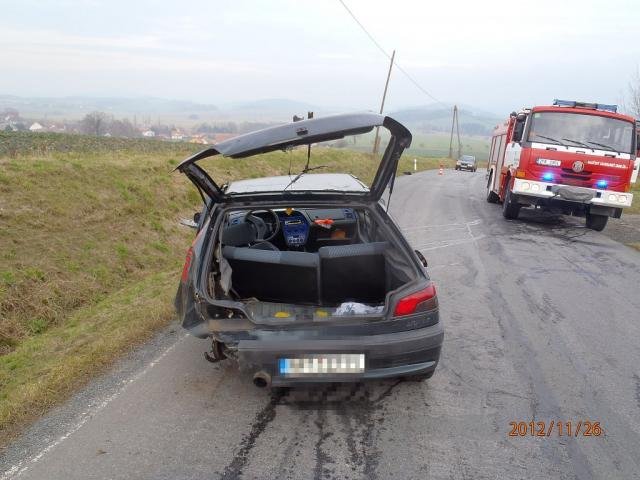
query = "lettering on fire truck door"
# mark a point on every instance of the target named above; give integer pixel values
(512, 155)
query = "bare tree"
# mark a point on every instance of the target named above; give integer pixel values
(94, 123)
(633, 94)
(122, 128)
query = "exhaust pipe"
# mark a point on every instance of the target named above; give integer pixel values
(262, 379)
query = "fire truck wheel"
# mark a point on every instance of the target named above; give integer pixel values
(596, 222)
(492, 197)
(510, 207)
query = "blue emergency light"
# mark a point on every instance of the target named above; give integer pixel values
(547, 177)
(601, 184)
(593, 106)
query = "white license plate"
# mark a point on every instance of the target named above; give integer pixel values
(324, 364)
(548, 162)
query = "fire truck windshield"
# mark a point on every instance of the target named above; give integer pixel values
(598, 132)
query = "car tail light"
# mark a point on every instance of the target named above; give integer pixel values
(187, 265)
(409, 304)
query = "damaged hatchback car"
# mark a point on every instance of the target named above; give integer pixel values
(305, 277)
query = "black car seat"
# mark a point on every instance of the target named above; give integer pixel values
(353, 273)
(273, 275)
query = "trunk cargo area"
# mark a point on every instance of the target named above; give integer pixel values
(332, 277)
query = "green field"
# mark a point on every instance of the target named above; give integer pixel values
(437, 145)
(91, 251)
(432, 145)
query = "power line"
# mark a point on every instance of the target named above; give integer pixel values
(420, 86)
(384, 52)
(365, 30)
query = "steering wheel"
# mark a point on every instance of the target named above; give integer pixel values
(260, 226)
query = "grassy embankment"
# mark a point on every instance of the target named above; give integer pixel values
(90, 252)
(635, 206)
(634, 209)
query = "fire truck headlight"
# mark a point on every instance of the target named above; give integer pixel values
(525, 185)
(622, 198)
(535, 187)
(612, 197)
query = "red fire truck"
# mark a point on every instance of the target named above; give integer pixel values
(570, 157)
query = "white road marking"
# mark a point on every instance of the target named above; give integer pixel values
(477, 221)
(451, 243)
(464, 227)
(18, 469)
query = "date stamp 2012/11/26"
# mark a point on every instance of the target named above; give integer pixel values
(580, 428)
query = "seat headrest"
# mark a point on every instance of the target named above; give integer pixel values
(355, 250)
(237, 235)
(297, 259)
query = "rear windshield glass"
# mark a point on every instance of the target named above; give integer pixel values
(351, 155)
(582, 130)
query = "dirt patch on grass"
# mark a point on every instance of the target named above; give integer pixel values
(625, 230)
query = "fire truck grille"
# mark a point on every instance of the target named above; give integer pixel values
(578, 179)
(586, 179)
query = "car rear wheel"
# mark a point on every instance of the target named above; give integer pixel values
(510, 206)
(596, 222)
(491, 195)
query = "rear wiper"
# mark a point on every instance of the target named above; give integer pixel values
(608, 147)
(549, 138)
(578, 143)
(306, 169)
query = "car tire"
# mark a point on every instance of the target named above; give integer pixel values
(596, 222)
(492, 197)
(510, 207)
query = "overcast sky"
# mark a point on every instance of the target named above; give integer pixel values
(495, 55)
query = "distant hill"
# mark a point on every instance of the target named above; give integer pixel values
(272, 109)
(437, 118)
(271, 104)
(119, 106)
(432, 118)
(176, 111)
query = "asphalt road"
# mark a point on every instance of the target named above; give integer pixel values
(542, 322)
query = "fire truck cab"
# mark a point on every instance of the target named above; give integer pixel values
(570, 157)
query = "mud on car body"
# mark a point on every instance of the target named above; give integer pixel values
(306, 278)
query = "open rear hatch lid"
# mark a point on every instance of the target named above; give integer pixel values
(304, 132)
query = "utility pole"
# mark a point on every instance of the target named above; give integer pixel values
(454, 123)
(376, 140)
(458, 134)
